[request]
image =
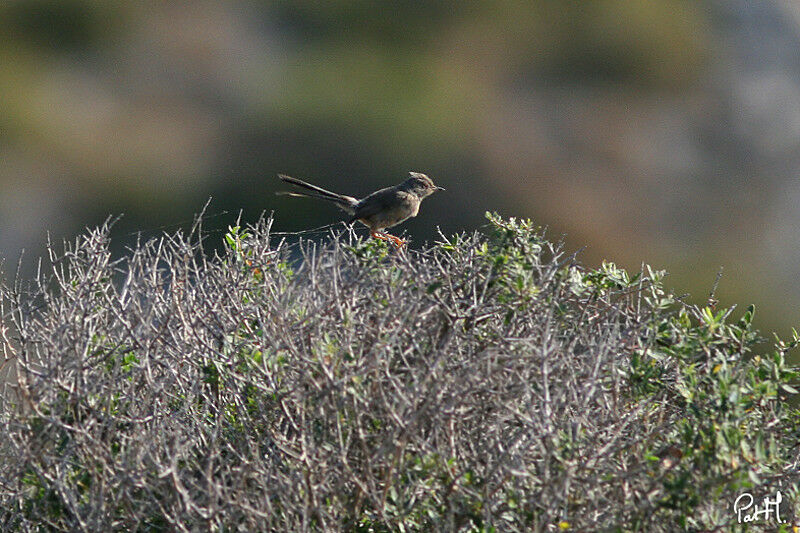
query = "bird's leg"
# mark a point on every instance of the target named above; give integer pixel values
(397, 241)
(379, 235)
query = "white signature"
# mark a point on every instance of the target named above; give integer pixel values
(746, 511)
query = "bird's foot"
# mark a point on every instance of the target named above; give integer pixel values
(397, 241)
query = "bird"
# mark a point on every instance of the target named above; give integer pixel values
(380, 210)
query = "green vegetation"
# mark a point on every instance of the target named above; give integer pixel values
(483, 383)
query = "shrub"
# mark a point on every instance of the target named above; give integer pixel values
(483, 383)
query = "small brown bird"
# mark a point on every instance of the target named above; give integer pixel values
(380, 210)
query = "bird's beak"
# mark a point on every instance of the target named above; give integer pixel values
(440, 188)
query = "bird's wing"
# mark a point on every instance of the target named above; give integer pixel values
(386, 208)
(377, 202)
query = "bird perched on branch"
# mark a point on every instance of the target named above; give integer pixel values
(380, 210)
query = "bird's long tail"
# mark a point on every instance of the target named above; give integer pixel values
(346, 203)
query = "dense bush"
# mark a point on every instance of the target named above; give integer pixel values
(484, 383)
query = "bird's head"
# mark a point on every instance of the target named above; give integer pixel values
(420, 184)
